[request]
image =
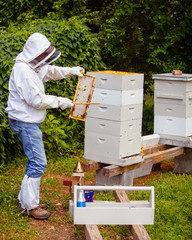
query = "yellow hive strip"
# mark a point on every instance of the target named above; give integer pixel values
(115, 72)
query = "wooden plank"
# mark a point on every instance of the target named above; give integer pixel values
(154, 148)
(92, 166)
(90, 103)
(138, 231)
(92, 232)
(150, 159)
(121, 196)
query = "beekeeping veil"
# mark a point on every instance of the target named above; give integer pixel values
(38, 45)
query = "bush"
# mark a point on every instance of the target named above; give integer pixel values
(78, 47)
(148, 115)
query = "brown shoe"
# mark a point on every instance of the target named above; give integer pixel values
(41, 205)
(39, 213)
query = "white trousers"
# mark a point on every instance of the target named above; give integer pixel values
(29, 193)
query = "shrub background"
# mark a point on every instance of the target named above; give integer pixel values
(78, 47)
(148, 37)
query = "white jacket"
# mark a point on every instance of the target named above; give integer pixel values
(27, 100)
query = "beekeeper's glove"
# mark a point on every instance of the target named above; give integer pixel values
(65, 103)
(77, 71)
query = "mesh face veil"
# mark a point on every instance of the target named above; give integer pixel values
(48, 59)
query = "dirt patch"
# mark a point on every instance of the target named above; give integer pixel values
(56, 228)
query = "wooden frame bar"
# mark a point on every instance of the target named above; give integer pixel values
(83, 95)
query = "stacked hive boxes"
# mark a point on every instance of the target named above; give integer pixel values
(113, 128)
(173, 104)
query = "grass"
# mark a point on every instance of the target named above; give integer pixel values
(173, 202)
(12, 226)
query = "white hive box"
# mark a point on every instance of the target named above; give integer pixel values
(173, 110)
(116, 113)
(113, 128)
(173, 104)
(116, 97)
(111, 212)
(163, 96)
(173, 126)
(112, 150)
(118, 80)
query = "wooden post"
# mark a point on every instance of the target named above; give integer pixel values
(92, 232)
(77, 179)
(138, 231)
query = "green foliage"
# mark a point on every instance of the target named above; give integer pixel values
(140, 36)
(78, 47)
(147, 36)
(21, 10)
(135, 36)
(62, 135)
(148, 115)
(9, 145)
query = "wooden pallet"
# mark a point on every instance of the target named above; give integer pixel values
(152, 155)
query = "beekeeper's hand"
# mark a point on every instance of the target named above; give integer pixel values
(77, 71)
(65, 103)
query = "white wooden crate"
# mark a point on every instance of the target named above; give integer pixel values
(173, 110)
(173, 126)
(111, 146)
(173, 86)
(117, 98)
(114, 213)
(113, 128)
(118, 80)
(161, 96)
(116, 113)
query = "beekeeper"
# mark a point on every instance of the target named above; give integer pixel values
(26, 107)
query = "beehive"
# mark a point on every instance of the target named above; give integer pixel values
(173, 104)
(113, 128)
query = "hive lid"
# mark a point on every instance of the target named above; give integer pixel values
(170, 76)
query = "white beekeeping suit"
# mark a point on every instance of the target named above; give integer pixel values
(26, 88)
(26, 107)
